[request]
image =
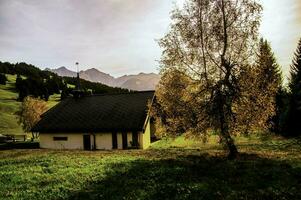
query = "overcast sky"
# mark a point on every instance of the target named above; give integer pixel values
(115, 36)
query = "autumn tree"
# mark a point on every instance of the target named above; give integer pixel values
(212, 42)
(294, 109)
(30, 112)
(173, 107)
(260, 84)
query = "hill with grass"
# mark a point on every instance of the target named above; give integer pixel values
(9, 106)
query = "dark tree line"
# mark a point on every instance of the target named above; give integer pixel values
(289, 101)
(24, 69)
(94, 88)
(3, 79)
(38, 87)
(286, 119)
(31, 81)
(88, 88)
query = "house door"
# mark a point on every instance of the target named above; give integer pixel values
(87, 142)
(135, 139)
(114, 141)
(124, 140)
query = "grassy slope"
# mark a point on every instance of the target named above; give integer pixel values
(268, 168)
(9, 105)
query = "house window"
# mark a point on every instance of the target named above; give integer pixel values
(60, 138)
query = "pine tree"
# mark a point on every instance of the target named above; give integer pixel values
(296, 70)
(293, 127)
(257, 110)
(270, 84)
(268, 66)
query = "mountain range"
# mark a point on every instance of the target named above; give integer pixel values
(139, 82)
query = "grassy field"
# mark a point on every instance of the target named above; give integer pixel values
(268, 168)
(9, 105)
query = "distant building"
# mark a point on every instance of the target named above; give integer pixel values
(108, 121)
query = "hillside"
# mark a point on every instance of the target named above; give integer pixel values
(140, 82)
(94, 75)
(9, 105)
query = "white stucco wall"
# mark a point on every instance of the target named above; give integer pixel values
(130, 139)
(145, 138)
(75, 141)
(119, 140)
(103, 141)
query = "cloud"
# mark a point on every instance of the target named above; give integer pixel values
(117, 36)
(281, 25)
(106, 33)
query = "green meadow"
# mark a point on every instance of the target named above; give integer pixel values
(170, 169)
(9, 106)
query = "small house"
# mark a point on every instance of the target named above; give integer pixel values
(103, 122)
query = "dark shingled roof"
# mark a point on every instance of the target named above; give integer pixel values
(97, 113)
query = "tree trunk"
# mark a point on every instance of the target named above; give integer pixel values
(226, 137)
(32, 136)
(229, 142)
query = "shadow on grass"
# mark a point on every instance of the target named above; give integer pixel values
(291, 145)
(19, 145)
(196, 177)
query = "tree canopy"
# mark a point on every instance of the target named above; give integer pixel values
(294, 109)
(213, 43)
